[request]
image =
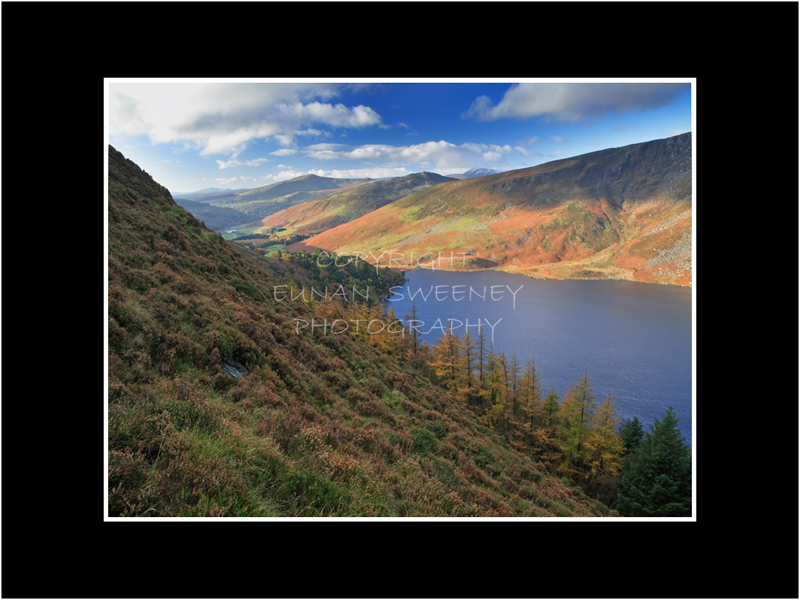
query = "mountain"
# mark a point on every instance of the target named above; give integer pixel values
(472, 173)
(260, 202)
(206, 192)
(621, 213)
(220, 405)
(215, 217)
(341, 207)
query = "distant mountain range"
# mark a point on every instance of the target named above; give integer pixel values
(621, 213)
(472, 173)
(206, 191)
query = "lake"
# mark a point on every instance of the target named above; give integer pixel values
(633, 339)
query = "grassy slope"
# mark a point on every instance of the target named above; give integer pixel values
(324, 213)
(623, 213)
(321, 425)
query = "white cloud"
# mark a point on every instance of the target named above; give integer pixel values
(363, 173)
(573, 101)
(441, 154)
(230, 180)
(229, 164)
(223, 118)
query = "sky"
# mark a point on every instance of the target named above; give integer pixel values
(191, 135)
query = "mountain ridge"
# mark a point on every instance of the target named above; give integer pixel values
(620, 213)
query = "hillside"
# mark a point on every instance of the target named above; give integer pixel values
(260, 202)
(342, 207)
(622, 213)
(218, 405)
(215, 217)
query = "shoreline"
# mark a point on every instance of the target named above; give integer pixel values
(541, 278)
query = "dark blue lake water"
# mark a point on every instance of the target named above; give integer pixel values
(633, 339)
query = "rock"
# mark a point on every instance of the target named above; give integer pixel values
(234, 369)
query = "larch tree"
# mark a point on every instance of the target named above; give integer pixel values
(466, 353)
(530, 393)
(576, 413)
(445, 360)
(513, 374)
(412, 323)
(604, 447)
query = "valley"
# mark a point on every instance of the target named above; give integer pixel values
(623, 213)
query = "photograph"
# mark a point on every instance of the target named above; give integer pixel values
(400, 299)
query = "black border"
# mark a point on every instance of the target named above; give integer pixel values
(744, 57)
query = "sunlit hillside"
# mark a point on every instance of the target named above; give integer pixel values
(622, 213)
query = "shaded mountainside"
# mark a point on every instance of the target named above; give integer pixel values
(260, 202)
(215, 217)
(622, 213)
(218, 406)
(342, 207)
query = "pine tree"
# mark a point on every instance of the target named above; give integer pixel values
(658, 479)
(632, 434)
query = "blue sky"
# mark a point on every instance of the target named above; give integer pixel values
(195, 134)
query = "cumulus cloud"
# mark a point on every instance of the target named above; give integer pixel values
(573, 101)
(229, 164)
(223, 118)
(441, 154)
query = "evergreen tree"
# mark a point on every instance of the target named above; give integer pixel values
(632, 433)
(658, 479)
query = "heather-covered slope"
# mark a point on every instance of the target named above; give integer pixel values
(218, 407)
(622, 213)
